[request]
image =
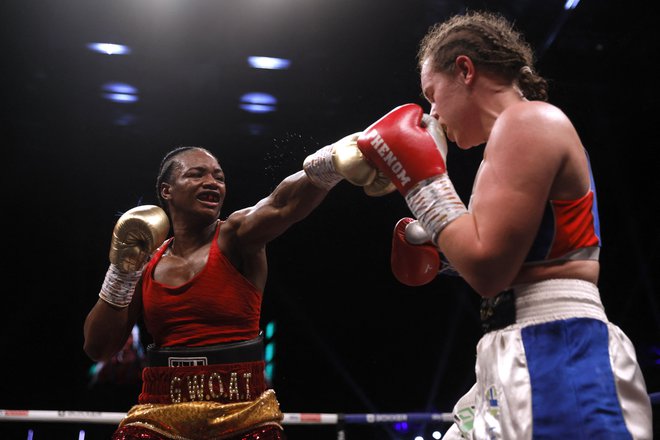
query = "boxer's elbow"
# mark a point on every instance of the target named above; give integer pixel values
(98, 352)
(100, 345)
(488, 277)
(487, 288)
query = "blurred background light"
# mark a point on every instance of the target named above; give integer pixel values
(258, 98)
(257, 108)
(268, 63)
(257, 102)
(120, 92)
(109, 48)
(119, 87)
(571, 4)
(401, 426)
(122, 98)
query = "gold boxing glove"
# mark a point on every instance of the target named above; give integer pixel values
(381, 185)
(341, 160)
(138, 232)
(351, 163)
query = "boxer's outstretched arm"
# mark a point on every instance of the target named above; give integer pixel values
(297, 195)
(293, 200)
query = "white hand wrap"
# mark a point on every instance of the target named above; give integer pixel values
(320, 169)
(118, 286)
(435, 204)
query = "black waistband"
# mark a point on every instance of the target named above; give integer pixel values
(243, 351)
(498, 312)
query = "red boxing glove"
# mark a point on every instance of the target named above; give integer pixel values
(406, 145)
(410, 148)
(413, 264)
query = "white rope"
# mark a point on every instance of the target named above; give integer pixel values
(9, 415)
(24, 415)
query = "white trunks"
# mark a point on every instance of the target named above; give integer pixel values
(561, 371)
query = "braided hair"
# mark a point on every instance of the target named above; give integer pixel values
(492, 44)
(168, 165)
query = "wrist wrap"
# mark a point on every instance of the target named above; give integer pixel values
(118, 286)
(435, 204)
(320, 169)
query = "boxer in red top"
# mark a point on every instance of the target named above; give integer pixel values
(200, 294)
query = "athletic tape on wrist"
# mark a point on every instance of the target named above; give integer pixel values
(435, 204)
(320, 169)
(118, 286)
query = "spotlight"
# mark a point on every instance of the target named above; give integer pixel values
(121, 98)
(109, 48)
(269, 63)
(120, 92)
(256, 102)
(119, 87)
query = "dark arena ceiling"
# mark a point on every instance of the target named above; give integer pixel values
(84, 131)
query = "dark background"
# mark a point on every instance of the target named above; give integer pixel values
(350, 338)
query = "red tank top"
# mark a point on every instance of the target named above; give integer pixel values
(217, 305)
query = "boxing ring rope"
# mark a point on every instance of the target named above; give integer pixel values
(338, 419)
(65, 416)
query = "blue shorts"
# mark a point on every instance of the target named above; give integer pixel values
(562, 371)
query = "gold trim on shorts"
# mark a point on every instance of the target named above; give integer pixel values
(206, 420)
